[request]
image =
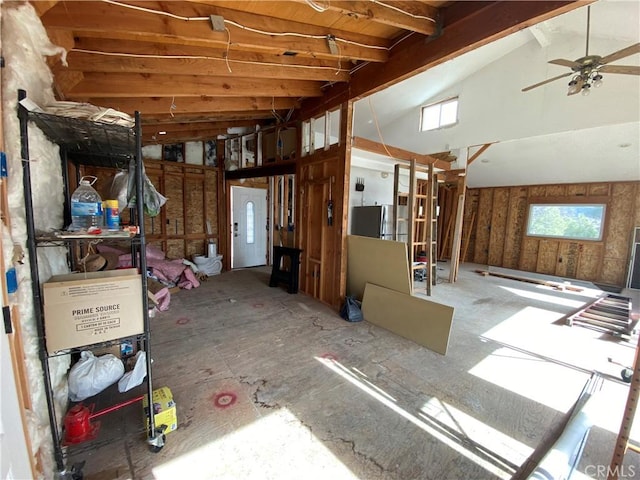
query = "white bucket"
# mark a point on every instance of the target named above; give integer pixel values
(212, 250)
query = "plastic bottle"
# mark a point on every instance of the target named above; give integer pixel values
(86, 206)
(111, 215)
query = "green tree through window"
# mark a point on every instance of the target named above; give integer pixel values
(571, 221)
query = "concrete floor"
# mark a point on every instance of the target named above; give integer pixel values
(276, 386)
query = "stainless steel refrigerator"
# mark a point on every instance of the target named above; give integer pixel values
(373, 221)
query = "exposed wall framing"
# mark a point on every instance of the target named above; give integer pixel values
(498, 236)
(323, 199)
(181, 228)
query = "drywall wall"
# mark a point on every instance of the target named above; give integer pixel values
(498, 236)
(25, 45)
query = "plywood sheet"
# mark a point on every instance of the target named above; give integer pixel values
(483, 229)
(500, 209)
(381, 262)
(422, 321)
(515, 224)
(547, 256)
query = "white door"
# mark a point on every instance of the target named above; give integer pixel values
(248, 227)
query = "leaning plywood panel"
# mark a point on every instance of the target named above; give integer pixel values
(422, 321)
(382, 262)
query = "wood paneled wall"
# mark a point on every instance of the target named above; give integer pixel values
(498, 236)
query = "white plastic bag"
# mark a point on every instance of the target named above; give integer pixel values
(91, 375)
(136, 376)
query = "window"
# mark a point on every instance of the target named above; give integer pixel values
(439, 115)
(570, 221)
(251, 235)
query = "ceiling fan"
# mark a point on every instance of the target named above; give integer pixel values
(587, 71)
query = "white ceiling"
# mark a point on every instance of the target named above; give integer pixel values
(542, 136)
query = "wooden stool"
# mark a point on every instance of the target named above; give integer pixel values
(290, 277)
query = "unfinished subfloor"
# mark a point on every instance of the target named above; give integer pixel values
(270, 385)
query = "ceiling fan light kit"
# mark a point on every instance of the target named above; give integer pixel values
(587, 70)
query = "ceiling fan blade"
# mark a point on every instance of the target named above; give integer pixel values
(564, 63)
(531, 87)
(626, 69)
(625, 52)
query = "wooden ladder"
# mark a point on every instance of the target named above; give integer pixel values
(420, 219)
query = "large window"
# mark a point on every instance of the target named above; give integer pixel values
(439, 115)
(570, 221)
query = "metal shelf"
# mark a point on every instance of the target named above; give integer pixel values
(87, 142)
(84, 143)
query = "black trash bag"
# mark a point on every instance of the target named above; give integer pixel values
(351, 310)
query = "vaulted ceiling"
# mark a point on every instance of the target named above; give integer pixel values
(196, 68)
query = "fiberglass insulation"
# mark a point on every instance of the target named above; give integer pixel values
(25, 45)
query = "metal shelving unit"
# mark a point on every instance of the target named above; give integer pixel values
(85, 143)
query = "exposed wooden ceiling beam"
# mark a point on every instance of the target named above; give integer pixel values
(95, 62)
(215, 106)
(180, 137)
(479, 24)
(473, 157)
(252, 117)
(397, 153)
(474, 24)
(154, 127)
(175, 49)
(113, 85)
(42, 6)
(102, 20)
(382, 13)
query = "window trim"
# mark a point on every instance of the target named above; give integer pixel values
(440, 103)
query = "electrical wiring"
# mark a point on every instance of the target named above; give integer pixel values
(244, 27)
(392, 7)
(317, 7)
(205, 57)
(375, 120)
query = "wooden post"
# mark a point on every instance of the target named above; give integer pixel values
(457, 234)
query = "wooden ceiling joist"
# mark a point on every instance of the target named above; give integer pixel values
(252, 117)
(397, 153)
(88, 19)
(113, 63)
(415, 16)
(189, 105)
(113, 85)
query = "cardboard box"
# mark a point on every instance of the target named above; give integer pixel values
(164, 410)
(87, 308)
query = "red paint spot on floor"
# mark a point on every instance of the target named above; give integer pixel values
(224, 399)
(329, 356)
(183, 320)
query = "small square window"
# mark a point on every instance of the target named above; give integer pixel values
(439, 115)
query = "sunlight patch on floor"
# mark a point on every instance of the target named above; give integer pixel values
(460, 432)
(249, 452)
(492, 440)
(531, 377)
(567, 302)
